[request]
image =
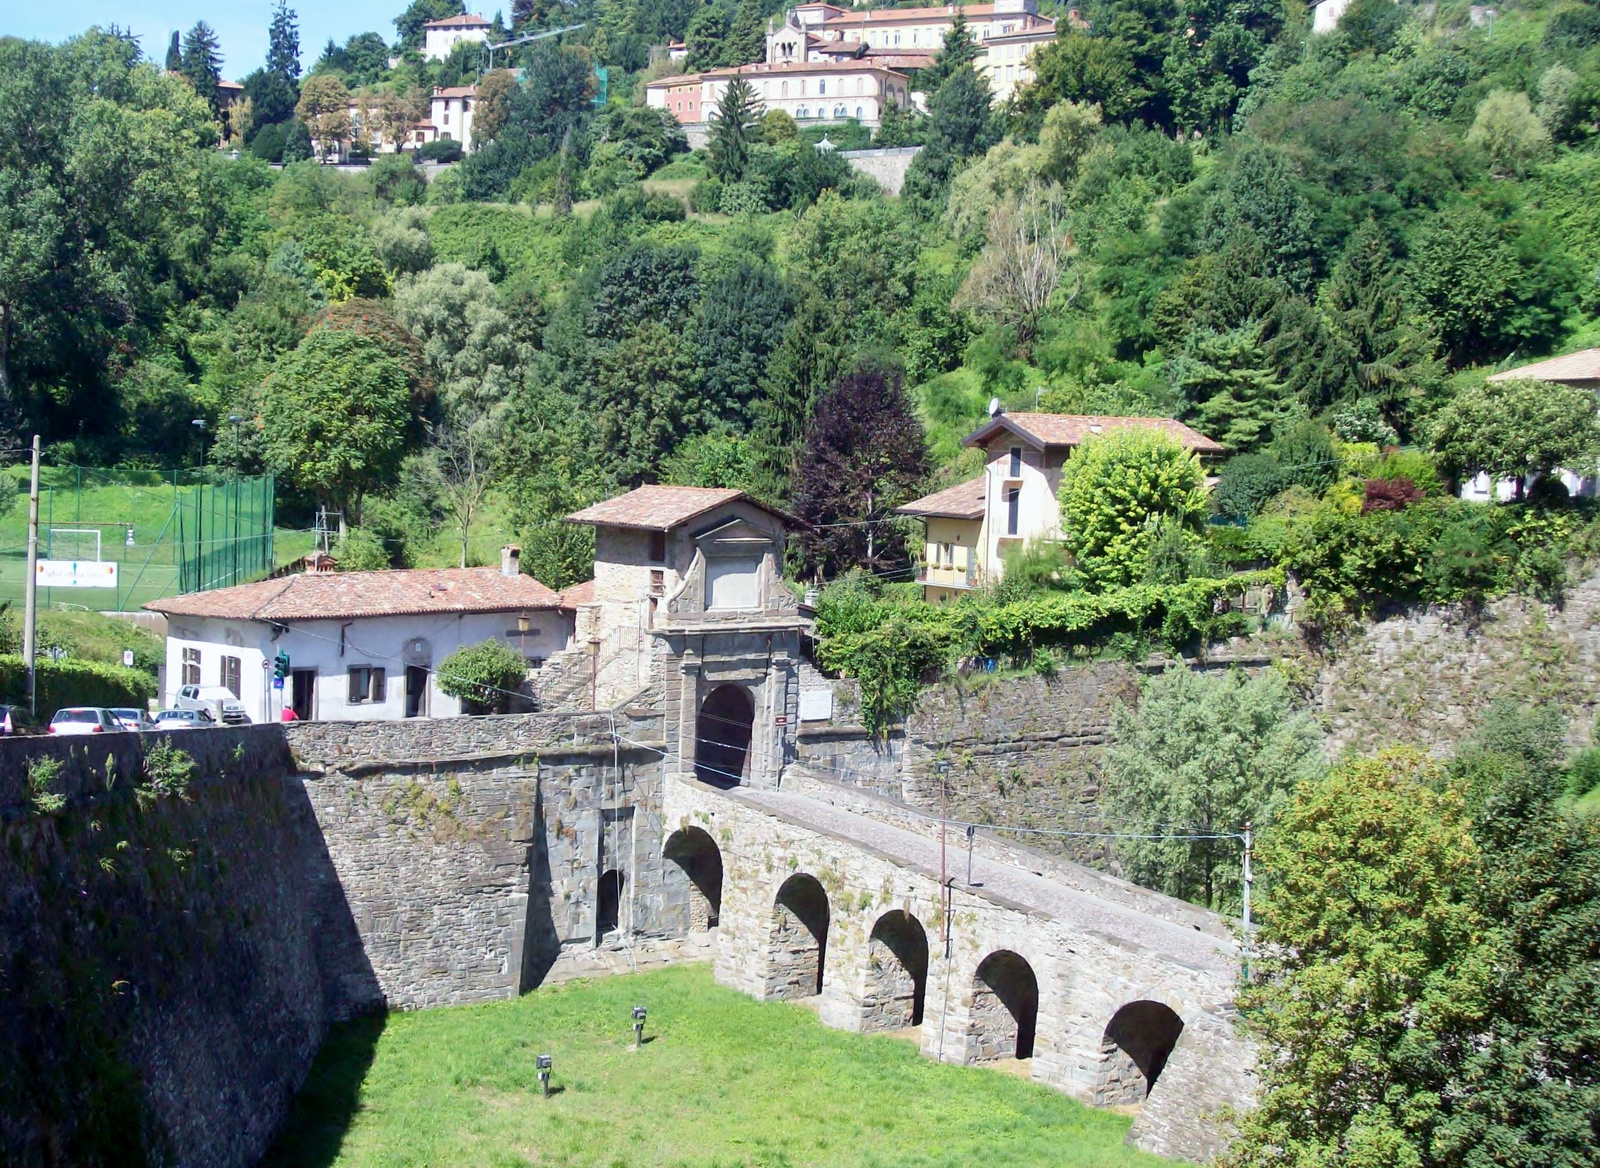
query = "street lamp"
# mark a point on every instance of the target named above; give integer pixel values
(638, 1027)
(543, 1064)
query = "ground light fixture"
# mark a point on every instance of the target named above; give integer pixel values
(543, 1063)
(638, 1027)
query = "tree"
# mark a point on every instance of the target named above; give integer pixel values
(336, 416)
(467, 339)
(457, 464)
(957, 51)
(283, 43)
(1261, 193)
(737, 328)
(1203, 755)
(493, 106)
(1509, 133)
(1025, 263)
(174, 63)
(484, 676)
(747, 37)
(735, 130)
(706, 37)
(1513, 429)
(1114, 489)
(865, 454)
(1367, 976)
(1090, 70)
(812, 353)
(960, 126)
(324, 108)
(202, 64)
(272, 98)
(1231, 388)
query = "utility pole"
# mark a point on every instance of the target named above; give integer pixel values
(943, 768)
(30, 608)
(1249, 879)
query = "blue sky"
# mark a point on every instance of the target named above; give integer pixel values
(241, 24)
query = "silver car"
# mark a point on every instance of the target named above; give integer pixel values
(85, 720)
(132, 718)
(185, 719)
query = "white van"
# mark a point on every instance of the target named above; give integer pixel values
(216, 698)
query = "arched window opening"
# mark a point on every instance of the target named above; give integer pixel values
(693, 879)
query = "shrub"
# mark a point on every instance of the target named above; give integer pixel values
(1389, 495)
(1583, 772)
(42, 775)
(168, 771)
(1413, 465)
(483, 676)
(706, 197)
(1246, 483)
(443, 150)
(75, 683)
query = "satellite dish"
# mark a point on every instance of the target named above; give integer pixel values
(994, 406)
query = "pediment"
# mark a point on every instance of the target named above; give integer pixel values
(733, 536)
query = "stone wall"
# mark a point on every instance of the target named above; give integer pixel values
(159, 957)
(887, 167)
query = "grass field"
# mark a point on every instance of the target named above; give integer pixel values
(722, 1082)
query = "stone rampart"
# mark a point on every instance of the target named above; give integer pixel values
(887, 167)
(159, 956)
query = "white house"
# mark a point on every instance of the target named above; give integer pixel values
(441, 36)
(972, 526)
(361, 645)
(1580, 369)
(806, 91)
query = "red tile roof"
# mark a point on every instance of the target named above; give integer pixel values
(661, 508)
(577, 594)
(1071, 429)
(962, 501)
(343, 595)
(1583, 365)
(462, 21)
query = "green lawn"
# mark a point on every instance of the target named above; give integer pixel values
(722, 1081)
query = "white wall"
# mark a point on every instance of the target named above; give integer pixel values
(385, 642)
(1039, 514)
(437, 42)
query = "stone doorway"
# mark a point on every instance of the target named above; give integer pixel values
(722, 732)
(897, 973)
(608, 895)
(1133, 1052)
(798, 946)
(694, 876)
(1005, 1008)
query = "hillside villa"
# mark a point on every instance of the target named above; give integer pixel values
(440, 37)
(1580, 369)
(972, 526)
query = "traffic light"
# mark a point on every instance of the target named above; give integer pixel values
(280, 665)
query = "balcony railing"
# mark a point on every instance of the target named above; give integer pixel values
(949, 576)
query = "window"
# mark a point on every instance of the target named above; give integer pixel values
(861, 87)
(1013, 496)
(947, 555)
(447, 115)
(858, 113)
(367, 684)
(658, 582)
(191, 667)
(230, 675)
(1016, 462)
(658, 547)
(783, 88)
(822, 85)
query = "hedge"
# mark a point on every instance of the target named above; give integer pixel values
(74, 683)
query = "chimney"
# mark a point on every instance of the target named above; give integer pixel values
(511, 560)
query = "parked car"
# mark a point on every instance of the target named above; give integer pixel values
(216, 698)
(16, 720)
(184, 719)
(85, 720)
(132, 718)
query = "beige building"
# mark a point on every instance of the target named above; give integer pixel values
(806, 91)
(973, 526)
(1580, 369)
(440, 37)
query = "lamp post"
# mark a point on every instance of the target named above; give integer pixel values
(543, 1064)
(638, 1027)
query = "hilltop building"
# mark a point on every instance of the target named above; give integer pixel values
(440, 37)
(972, 526)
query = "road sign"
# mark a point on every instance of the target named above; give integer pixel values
(75, 573)
(127, 658)
(277, 683)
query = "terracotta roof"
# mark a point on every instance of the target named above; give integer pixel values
(661, 508)
(342, 595)
(456, 91)
(463, 21)
(798, 67)
(1071, 429)
(577, 594)
(962, 501)
(1580, 366)
(919, 15)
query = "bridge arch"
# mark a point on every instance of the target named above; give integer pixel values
(722, 732)
(1005, 1008)
(797, 945)
(693, 878)
(897, 973)
(1134, 1050)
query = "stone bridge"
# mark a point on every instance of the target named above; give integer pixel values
(1116, 995)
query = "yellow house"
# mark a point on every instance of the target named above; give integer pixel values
(971, 527)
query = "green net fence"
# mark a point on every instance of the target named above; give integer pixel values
(166, 532)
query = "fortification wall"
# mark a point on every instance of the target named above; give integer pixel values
(159, 957)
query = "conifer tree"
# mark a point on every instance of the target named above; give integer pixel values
(958, 50)
(283, 43)
(174, 54)
(735, 131)
(201, 62)
(747, 38)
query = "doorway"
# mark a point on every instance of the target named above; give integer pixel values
(416, 691)
(723, 732)
(303, 693)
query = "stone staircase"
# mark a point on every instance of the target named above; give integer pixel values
(566, 681)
